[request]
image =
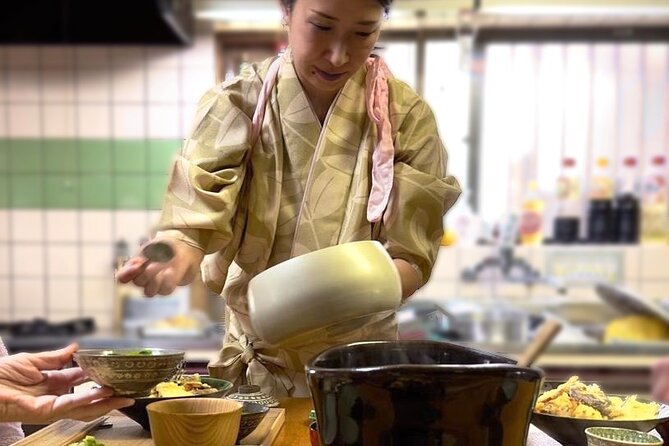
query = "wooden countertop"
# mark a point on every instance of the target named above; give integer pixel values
(295, 431)
(125, 432)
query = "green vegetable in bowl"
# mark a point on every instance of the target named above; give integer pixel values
(89, 440)
(137, 353)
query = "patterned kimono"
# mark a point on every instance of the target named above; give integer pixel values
(302, 187)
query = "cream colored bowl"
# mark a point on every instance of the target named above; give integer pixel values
(322, 288)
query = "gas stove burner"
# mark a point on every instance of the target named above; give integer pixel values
(41, 327)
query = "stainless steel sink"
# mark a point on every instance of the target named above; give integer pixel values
(584, 313)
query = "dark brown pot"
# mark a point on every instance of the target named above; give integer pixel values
(423, 393)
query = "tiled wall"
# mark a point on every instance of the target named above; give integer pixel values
(86, 135)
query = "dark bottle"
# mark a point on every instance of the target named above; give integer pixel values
(627, 207)
(601, 221)
(566, 230)
(627, 219)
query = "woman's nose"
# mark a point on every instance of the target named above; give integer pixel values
(338, 54)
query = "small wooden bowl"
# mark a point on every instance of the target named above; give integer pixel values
(195, 421)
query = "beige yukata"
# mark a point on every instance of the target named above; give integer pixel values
(308, 190)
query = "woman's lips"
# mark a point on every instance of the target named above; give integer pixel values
(330, 77)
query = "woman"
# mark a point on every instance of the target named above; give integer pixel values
(343, 153)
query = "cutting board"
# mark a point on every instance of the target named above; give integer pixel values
(267, 430)
(126, 432)
(62, 432)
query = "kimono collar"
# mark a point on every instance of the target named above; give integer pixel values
(376, 92)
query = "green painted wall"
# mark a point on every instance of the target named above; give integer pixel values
(114, 174)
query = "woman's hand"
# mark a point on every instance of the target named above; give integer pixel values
(33, 389)
(660, 381)
(408, 276)
(163, 278)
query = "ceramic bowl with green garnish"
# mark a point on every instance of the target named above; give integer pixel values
(613, 436)
(130, 372)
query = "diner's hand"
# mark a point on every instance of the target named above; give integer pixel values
(163, 277)
(660, 381)
(33, 389)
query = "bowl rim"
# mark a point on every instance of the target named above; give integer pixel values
(589, 433)
(645, 420)
(504, 363)
(124, 352)
(263, 409)
(157, 408)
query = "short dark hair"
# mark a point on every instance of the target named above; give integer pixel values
(385, 3)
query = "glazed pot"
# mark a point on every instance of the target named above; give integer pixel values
(406, 393)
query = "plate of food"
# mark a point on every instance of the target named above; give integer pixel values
(565, 410)
(184, 386)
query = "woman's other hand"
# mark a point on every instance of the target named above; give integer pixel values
(34, 389)
(162, 277)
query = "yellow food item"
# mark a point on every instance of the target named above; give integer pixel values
(171, 389)
(187, 385)
(179, 321)
(585, 411)
(636, 327)
(578, 400)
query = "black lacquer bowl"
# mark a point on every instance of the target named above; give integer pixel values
(138, 413)
(425, 393)
(571, 431)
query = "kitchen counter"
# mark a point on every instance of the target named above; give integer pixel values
(295, 431)
(619, 368)
(588, 354)
(198, 349)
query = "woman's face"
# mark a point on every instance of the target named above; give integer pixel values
(330, 40)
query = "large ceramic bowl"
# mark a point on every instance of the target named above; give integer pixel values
(321, 288)
(420, 393)
(571, 431)
(130, 372)
(137, 412)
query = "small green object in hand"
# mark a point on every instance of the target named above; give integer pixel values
(312, 415)
(89, 440)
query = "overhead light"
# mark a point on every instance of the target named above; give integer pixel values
(561, 10)
(241, 15)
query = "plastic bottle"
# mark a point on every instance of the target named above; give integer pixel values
(532, 215)
(654, 217)
(602, 187)
(569, 190)
(567, 222)
(627, 212)
(601, 222)
(465, 225)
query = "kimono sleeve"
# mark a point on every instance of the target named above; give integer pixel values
(422, 192)
(202, 197)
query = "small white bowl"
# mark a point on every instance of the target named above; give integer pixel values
(322, 288)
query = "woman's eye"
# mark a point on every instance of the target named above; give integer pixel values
(321, 27)
(361, 34)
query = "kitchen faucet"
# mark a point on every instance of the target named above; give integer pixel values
(513, 269)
